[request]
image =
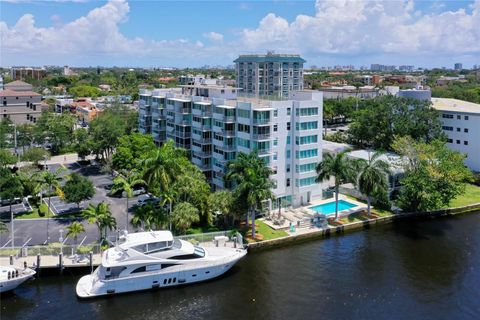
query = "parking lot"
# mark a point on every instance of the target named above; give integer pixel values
(16, 208)
(35, 229)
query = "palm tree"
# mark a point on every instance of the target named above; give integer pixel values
(162, 167)
(251, 177)
(126, 183)
(101, 216)
(337, 166)
(74, 230)
(148, 217)
(372, 177)
(50, 180)
(10, 188)
(222, 203)
(184, 215)
(168, 196)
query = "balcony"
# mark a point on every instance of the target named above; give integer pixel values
(182, 134)
(261, 121)
(203, 140)
(228, 133)
(184, 110)
(264, 152)
(202, 154)
(203, 127)
(262, 136)
(202, 113)
(228, 148)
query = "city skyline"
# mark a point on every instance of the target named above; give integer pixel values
(139, 33)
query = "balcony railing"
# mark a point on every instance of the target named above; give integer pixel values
(261, 121)
(183, 134)
(262, 152)
(262, 136)
(228, 132)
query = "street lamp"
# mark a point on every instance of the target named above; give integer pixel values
(61, 241)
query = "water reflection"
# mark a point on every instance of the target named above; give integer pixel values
(422, 269)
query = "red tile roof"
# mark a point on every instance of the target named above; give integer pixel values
(11, 93)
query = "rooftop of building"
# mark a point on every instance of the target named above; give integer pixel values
(208, 86)
(18, 83)
(12, 93)
(276, 57)
(455, 105)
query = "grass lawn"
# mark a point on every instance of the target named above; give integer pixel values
(471, 196)
(31, 215)
(267, 232)
(34, 215)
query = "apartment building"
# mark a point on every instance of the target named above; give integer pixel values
(214, 123)
(269, 74)
(22, 106)
(461, 123)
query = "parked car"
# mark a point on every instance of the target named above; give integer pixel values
(148, 199)
(136, 192)
(5, 202)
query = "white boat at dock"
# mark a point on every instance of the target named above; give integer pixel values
(11, 277)
(149, 260)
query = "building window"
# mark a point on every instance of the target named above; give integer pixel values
(449, 140)
(288, 182)
(275, 127)
(466, 117)
(465, 130)
(288, 139)
(288, 167)
(458, 141)
(275, 156)
(465, 143)
(289, 111)
(275, 113)
(288, 126)
(288, 154)
(458, 117)
(275, 142)
(458, 129)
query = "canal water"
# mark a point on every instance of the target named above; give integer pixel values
(409, 270)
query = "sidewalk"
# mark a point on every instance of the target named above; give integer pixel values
(60, 159)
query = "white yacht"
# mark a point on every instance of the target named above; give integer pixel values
(11, 277)
(148, 260)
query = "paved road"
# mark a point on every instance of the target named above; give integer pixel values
(37, 229)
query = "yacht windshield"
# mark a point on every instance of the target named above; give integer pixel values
(153, 247)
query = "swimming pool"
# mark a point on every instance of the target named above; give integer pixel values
(329, 207)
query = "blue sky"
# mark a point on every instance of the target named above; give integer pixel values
(187, 33)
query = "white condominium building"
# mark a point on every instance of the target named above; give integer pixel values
(214, 123)
(269, 74)
(461, 123)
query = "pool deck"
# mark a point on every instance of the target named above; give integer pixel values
(301, 217)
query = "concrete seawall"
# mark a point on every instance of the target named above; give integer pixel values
(355, 226)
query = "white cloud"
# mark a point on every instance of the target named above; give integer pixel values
(214, 36)
(356, 27)
(338, 27)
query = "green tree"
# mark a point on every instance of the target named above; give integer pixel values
(340, 168)
(434, 175)
(126, 183)
(108, 127)
(184, 215)
(10, 188)
(372, 177)
(51, 181)
(250, 174)
(83, 143)
(386, 117)
(35, 155)
(74, 230)
(163, 166)
(222, 203)
(25, 135)
(149, 217)
(6, 158)
(6, 133)
(55, 129)
(78, 188)
(132, 150)
(84, 91)
(101, 216)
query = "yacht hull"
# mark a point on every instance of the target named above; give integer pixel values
(11, 284)
(88, 287)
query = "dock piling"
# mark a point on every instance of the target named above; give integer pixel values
(91, 261)
(11, 260)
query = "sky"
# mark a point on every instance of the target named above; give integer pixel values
(151, 33)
